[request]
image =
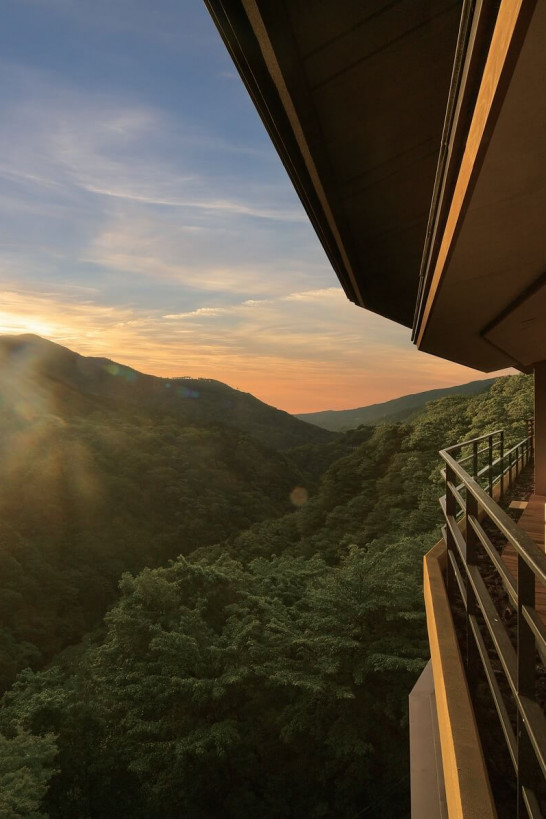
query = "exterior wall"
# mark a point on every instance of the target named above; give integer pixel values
(428, 794)
(468, 792)
(540, 427)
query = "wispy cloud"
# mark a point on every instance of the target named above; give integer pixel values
(145, 217)
(331, 355)
(136, 17)
(122, 186)
(55, 136)
(210, 205)
(200, 312)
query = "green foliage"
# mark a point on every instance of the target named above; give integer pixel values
(83, 501)
(265, 675)
(26, 765)
(225, 681)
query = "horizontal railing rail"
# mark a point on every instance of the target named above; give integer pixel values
(491, 463)
(472, 515)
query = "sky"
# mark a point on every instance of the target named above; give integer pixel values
(145, 216)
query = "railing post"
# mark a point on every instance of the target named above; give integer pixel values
(527, 743)
(526, 762)
(531, 435)
(501, 456)
(472, 656)
(451, 509)
(490, 465)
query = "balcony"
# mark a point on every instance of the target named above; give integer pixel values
(485, 596)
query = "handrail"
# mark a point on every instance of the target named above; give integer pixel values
(515, 535)
(497, 463)
(466, 505)
(473, 440)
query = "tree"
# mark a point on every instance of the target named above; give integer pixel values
(26, 766)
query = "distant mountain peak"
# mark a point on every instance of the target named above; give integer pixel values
(84, 383)
(397, 409)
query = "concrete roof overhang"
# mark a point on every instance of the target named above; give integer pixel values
(354, 97)
(415, 135)
(486, 306)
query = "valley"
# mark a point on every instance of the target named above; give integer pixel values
(182, 632)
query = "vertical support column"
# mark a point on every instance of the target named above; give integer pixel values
(526, 761)
(540, 428)
(472, 656)
(530, 438)
(490, 464)
(451, 512)
(501, 456)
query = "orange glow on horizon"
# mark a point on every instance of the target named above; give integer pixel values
(297, 387)
(329, 356)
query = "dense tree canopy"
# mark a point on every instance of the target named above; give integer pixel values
(84, 501)
(263, 671)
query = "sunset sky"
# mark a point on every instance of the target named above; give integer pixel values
(145, 216)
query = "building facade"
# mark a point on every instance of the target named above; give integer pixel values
(415, 135)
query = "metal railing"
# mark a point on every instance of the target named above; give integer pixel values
(471, 511)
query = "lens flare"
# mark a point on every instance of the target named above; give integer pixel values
(43, 456)
(299, 495)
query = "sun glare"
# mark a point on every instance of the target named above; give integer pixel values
(12, 323)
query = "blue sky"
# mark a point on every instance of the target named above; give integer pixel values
(144, 215)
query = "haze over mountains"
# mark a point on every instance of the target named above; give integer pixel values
(208, 607)
(80, 383)
(398, 409)
(104, 470)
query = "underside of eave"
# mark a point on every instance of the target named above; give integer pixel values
(355, 123)
(485, 304)
(242, 43)
(475, 34)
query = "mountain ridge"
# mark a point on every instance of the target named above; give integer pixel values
(397, 409)
(79, 381)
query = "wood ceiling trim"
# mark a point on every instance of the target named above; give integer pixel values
(511, 26)
(240, 40)
(270, 59)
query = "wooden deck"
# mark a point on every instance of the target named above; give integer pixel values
(532, 521)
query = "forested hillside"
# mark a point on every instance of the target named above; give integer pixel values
(265, 671)
(49, 378)
(91, 487)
